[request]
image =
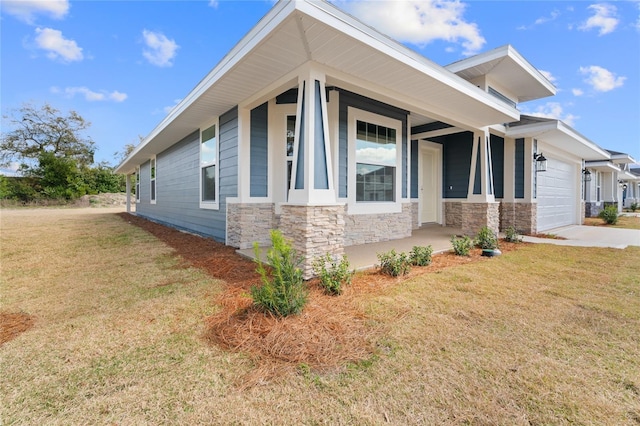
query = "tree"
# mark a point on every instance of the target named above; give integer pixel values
(35, 131)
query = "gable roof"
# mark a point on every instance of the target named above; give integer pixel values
(510, 69)
(355, 55)
(558, 134)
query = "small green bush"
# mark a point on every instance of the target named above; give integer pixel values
(334, 274)
(511, 235)
(283, 292)
(486, 239)
(461, 245)
(609, 215)
(634, 207)
(394, 264)
(420, 255)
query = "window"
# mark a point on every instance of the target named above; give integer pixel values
(376, 160)
(598, 182)
(208, 168)
(152, 170)
(291, 129)
(138, 184)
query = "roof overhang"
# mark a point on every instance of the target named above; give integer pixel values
(622, 158)
(510, 68)
(602, 166)
(561, 136)
(294, 33)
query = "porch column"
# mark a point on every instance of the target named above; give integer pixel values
(311, 218)
(128, 191)
(480, 209)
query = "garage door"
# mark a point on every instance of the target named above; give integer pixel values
(557, 195)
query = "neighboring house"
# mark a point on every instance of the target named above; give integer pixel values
(319, 126)
(632, 194)
(611, 183)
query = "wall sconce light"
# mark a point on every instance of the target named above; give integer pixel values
(541, 162)
(586, 175)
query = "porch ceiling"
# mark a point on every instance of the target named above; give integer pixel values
(561, 136)
(602, 166)
(294, 33)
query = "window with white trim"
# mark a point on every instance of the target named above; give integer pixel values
(209, 167)
(137, 184)
(291, 130)
(598, 183)
(152, 172)
(376, 160)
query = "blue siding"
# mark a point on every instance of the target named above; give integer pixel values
(350, 99)
(178, 183)
(477, 182)
(259, 153)
(519, 173)
(456, 152)
(299, 183)
(320, 174)
(145, 184)
(405, 168)
(414, 169)
(497, 164)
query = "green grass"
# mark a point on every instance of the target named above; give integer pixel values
(626, 222)
(542, 335)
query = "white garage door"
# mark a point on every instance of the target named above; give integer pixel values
(557, 195)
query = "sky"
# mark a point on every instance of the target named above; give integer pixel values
(122, 65)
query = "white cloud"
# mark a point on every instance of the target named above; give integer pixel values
(90, 95)
(604, 19)
(213, 3)
(169, 108)
(548, 76)
(553, 110)
(377, 155)
(542, 20)
(577, 92)
(57, 46)
(25, 10)
(601, 79)
(419, 21)
(160, 50)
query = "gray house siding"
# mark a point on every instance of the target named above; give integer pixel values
(497, 165)
(456, 153)
(519, 172)
(350, 99)
(414, 169)
(145, 185)
(178, 183)
(259, 153)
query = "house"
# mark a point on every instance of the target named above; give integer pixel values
(611, 183)
(319, 126)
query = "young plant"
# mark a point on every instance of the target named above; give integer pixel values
(486, 239)
(283, 291)
(420, 255)
(511, 235)
(461, 245)
(634, 207)
(333, 273)
(609, 215)
(394, 264)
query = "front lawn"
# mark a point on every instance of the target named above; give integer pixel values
(627, 222)
(116, 325)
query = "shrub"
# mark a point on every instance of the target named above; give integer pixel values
(634, 207)
(420, 256)
(283, 292)
(511, 235)
(486, 239)
(333, 274)
(394, 264)
(609, 215)
(461, 245)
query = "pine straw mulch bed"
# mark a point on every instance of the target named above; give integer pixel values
(329, 333)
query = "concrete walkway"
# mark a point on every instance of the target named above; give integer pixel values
(591, 236)
(363, 256)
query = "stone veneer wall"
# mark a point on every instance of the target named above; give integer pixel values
(523, 216)
(247, 223)
(477, 215)
(592, 209)
(372, 228)
(415, 220)
(453, 214)
(313, 231)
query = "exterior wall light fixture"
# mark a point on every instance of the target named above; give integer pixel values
(586, 175)
(541, 162)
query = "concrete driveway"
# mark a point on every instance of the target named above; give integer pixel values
(591, 236)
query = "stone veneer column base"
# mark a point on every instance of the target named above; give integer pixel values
(313, 231)
(373, 228)
(477, 215)
(249, 223)
(522, 216)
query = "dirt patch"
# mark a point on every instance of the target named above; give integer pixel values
(12, 324)
(330, 332)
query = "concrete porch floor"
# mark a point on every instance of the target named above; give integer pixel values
(363, 256)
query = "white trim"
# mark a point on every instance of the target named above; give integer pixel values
(138, 178)
(437, 150)
(360, 207)
(210, 205)
(153, 185)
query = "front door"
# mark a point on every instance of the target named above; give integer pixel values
(429, 187)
